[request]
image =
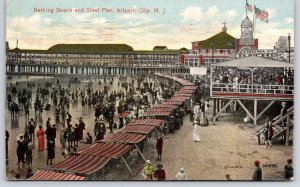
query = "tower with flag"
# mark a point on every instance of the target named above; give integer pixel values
(247, 40)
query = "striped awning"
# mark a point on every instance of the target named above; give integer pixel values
(142, 129)
(180, 97)
(185, 94)
(185, 91)
(189, 88)
(166, 106)
(158, 112)
(173, 102)
(184, 82)
(154, 122)
(82, 164)
(180, 80)
(106, 149)
(52, 175)
(167, 109)
(124, 138)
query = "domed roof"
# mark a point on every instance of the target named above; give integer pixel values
(246, 22)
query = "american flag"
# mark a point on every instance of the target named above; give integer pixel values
(248, 7)
(261, 14)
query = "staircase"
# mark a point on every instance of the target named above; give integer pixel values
(279, 129)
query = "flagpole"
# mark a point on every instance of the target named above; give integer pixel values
(246, 9)
(253, 24)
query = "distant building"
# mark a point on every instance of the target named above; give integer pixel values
(160, 48)
(282, 44)
(221, 47)
(71, 55)
(218, 48)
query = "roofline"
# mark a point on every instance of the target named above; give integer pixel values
(129, 52)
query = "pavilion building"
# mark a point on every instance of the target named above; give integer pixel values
(88, 58)
(221, 47)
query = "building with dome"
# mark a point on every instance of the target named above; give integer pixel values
(247, 40)
(221, 47)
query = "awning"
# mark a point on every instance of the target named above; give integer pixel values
(52, 175)
(167, 109)
(185, 91)
(180, 97)
(143, 129)
(113, 150)
(180, 80)
(158, 112)
(124, 138)
(154, 122)
(166, 106)
(185, 94)
(186, 83)
(173, 102)
(83, 164)
(189, 88)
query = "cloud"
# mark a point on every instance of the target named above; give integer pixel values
(140, 31)
(272, 12)
(212, 11)
(268, 33)
(192, 14)
(231, 13)
(289, 20)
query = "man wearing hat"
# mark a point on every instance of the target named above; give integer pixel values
(181, 175)
(148, 171)
(160, 173)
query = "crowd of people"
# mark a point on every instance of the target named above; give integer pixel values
(270, 80)
(131, 99)
(133, 96)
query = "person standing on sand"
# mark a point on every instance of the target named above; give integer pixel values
(160, 173)
(148, 171)
(289, 170)
(41, 138)
(196, 133)
(51, 150)
(181, 175)
(257, 174)
(268, 133)
(159, 147)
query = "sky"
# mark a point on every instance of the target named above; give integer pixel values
(176, 25)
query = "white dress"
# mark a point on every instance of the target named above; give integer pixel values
(196, 134)
(197, 112)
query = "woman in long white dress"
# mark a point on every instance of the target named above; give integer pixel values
(196, 133)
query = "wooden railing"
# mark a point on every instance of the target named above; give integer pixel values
(279, 130)
(255, 88)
